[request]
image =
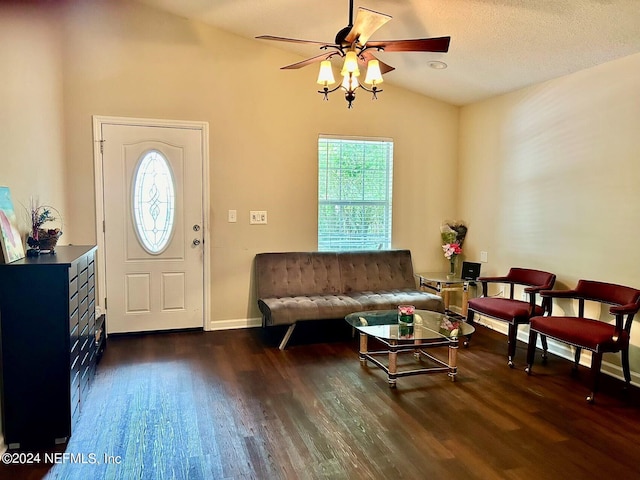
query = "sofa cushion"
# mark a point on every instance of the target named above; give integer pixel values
(390, 299)
(376, 270)
(290, 274)
(592, 334)
(288, 310)
(503, 308)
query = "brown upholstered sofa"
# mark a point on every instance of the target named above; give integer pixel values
(297, 286)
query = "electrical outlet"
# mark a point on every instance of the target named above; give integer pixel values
(258, 217)
(484, 257)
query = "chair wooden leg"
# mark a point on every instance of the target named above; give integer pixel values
(625, 367)
(531, 349)
(467, 339)
(596, 364)
(576, 361)
(513, 334)
(470, 315)
(545, 347)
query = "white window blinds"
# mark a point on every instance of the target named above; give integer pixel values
(355, 178)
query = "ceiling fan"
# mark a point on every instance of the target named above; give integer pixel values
(352, 43)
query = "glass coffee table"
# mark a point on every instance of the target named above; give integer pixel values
(428, 331)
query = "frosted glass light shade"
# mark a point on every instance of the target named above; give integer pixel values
(374, 75)
(350, 82)
(325, 75)
(350, 64)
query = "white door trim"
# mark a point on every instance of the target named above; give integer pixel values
(98, 121)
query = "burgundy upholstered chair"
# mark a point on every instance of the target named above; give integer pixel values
(586, 333)
(514, 312)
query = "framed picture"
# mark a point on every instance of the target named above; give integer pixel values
(12, 248)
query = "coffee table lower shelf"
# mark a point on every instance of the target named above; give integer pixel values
(417, 349)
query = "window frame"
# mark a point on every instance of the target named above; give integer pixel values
(367, 240)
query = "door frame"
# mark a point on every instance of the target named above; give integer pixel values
(203, 127)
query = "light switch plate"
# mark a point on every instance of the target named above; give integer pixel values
(484, 257)
(258, 217)
(233, 216)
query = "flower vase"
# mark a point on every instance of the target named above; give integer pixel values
(452, 266)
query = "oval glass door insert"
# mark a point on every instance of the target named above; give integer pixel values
(153, 202)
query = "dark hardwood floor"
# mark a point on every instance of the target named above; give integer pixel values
(230, 405)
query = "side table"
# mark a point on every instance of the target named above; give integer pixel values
(444, 283)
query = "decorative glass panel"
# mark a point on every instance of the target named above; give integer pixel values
(154, 202)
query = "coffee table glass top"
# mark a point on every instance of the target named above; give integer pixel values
(426, 326)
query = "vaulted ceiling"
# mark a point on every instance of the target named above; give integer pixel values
(497, 46)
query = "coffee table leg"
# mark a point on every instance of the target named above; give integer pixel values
(393, 364)
(363, 348)
(453, 358)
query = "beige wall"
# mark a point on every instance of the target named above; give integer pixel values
(32, 158)
(549, 179)
(130, 60)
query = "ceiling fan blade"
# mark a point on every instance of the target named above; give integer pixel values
(367, 22)
(440, 44)
(309, 61)
(291, 40)
(366, 55)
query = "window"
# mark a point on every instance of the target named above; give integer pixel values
(153, 202)
(355, 177)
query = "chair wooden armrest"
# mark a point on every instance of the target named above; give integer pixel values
(493, 279)
(624, 309)
(559, 293)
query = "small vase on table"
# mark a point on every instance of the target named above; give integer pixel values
(452, 266)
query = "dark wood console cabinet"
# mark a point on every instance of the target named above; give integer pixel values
(48, 344)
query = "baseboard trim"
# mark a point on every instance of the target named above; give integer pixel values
(235, 323)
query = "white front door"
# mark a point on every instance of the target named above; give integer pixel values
(153, 227)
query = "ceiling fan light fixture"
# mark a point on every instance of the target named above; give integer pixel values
(352, 43)
(374, 75)
(325, 75)
(350, 65)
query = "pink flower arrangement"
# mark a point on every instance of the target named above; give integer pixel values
(406, 309)
(451, 250)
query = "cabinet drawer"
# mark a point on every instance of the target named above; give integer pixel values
(82, 293)
(92, 312)
(73, 287)
(73, 271)
(74, 339)
(75, 359)
(73, 320)
(75, 386)
(73, 305)
(84, 324)
(82, 278)
(83, 308)
(82, 263)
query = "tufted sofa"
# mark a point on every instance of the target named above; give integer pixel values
(297, 286)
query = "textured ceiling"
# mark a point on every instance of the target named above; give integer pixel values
(497, 46)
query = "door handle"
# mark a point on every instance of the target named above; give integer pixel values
(196, 242)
